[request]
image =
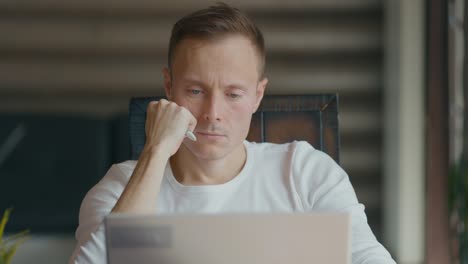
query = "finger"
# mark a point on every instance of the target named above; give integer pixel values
(151, 106)
(192, 121)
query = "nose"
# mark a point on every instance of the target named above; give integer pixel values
(213, 108)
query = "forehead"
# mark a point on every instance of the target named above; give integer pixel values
(232, 54)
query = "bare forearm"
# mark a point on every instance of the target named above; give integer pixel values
(141, 193)
(165, 128)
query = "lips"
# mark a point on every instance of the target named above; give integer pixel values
(210, 134)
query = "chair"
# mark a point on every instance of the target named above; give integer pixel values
(279, 119)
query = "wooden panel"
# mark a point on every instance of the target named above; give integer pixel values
(256, 128)
(330, 128)
(310, 118)
(437, 220)
(282, 127)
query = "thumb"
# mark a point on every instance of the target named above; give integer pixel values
(192, 123)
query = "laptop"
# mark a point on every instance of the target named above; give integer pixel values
(229, 239)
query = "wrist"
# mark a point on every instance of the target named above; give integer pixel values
(155, 151)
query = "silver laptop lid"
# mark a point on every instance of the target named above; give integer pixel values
(229, 239)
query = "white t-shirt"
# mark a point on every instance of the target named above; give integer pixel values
(291, 177)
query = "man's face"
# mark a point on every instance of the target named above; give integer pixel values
(218, 81)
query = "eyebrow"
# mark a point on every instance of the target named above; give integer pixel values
(185, 79)
(235, 85)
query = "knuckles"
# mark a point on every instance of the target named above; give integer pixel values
(164, 105)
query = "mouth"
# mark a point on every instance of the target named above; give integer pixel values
(210, 135)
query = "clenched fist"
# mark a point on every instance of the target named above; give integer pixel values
(166, 125)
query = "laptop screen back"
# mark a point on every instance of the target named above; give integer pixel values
(229, 239)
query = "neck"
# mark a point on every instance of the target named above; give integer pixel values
(189, 169)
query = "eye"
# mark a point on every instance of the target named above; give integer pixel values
(234, 95)
(195, 91)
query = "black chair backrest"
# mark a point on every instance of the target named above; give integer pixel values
(279, 119)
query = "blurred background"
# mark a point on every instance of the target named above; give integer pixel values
(68, 69)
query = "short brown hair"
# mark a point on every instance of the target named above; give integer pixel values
(216, 22)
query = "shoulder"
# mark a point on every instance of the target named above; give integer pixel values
(124, 169)
(274, 148)
(309, 158)
(300, 151)
(113, 182)
(320, 181)
(102, 197)
(301, 156)
(116, 177)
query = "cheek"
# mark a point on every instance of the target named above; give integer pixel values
(189, 105)
(241, 112)
(241, 116)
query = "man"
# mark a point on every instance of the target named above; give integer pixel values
(214, 82)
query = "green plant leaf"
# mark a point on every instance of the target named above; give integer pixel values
(10, 253)
(12, 238)
(9, 245)
(9, 249)
(6, 216)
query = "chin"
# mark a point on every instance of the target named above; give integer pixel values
(208, 152)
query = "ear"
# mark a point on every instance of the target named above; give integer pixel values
(167, 83)
(259, 93)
